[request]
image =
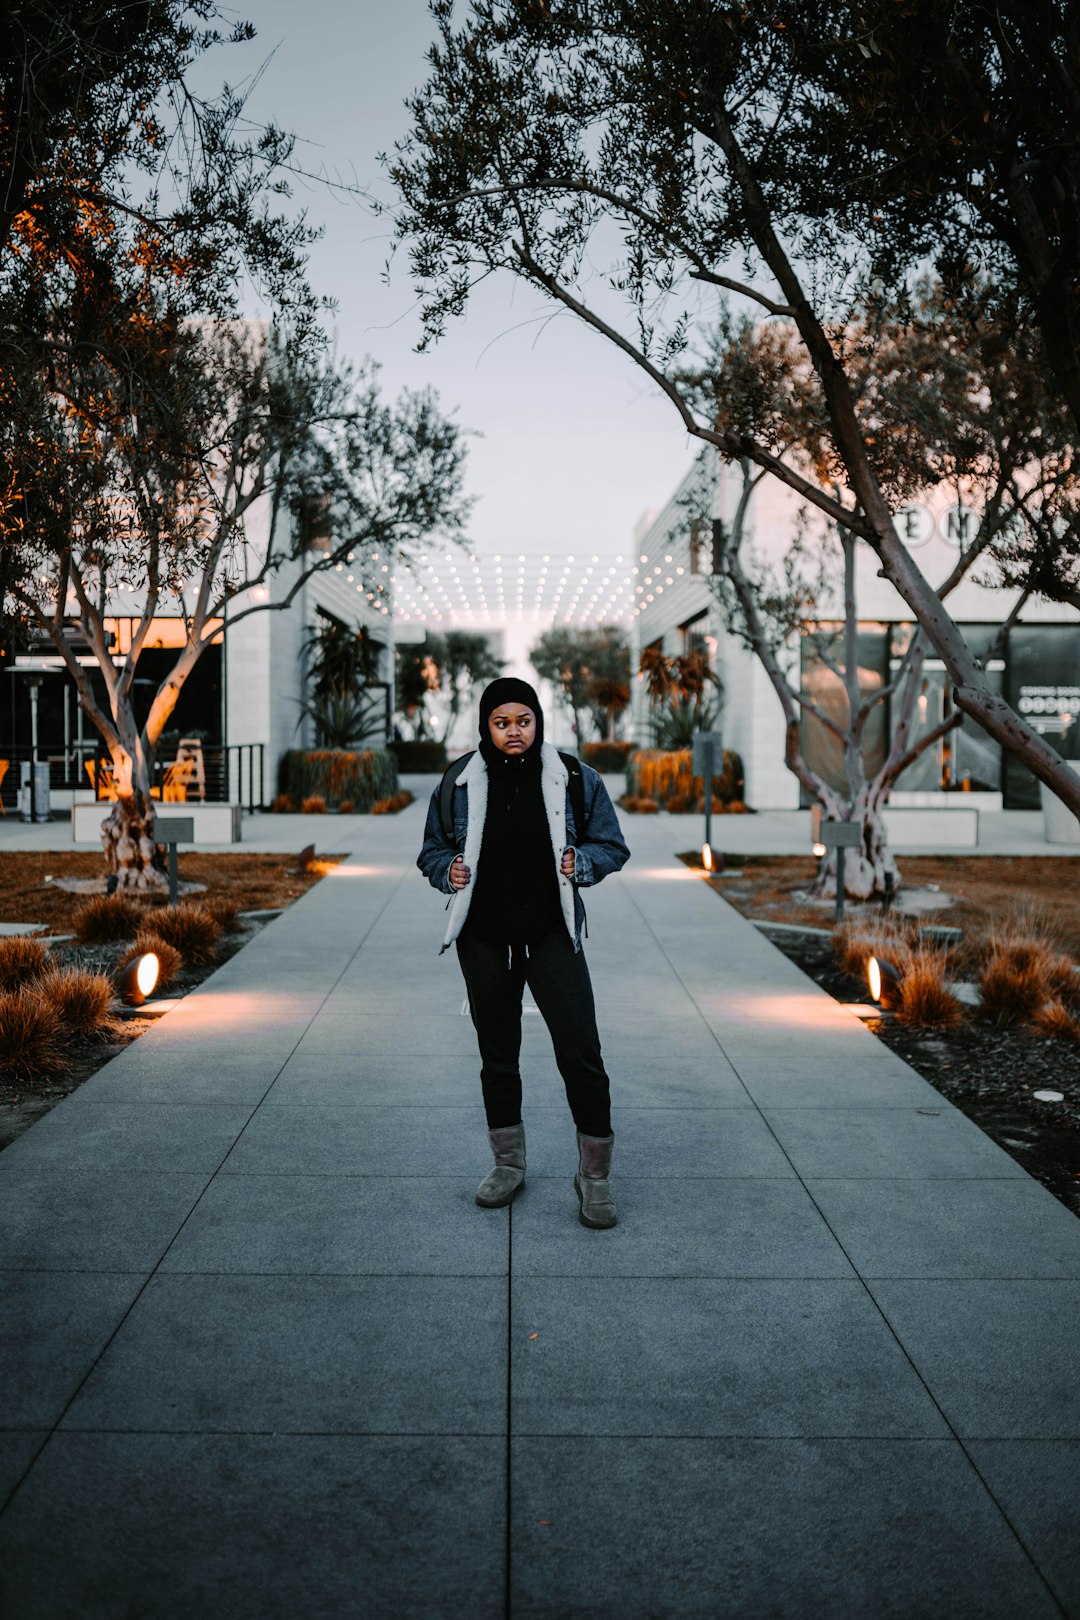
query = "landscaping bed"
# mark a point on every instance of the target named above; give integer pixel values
(989, 1072)
(233, 883)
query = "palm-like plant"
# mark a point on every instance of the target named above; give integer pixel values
(344, 719)
(677, 692)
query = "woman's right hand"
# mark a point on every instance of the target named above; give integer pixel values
(459, 873)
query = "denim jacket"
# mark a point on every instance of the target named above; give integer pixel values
(598, 846)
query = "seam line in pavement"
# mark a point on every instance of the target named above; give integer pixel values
(149, 1276)
(629, 887)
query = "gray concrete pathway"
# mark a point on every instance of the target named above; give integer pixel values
(264, 1357)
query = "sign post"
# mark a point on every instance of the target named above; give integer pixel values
(840, 835)
(173, 830)
(708, 753)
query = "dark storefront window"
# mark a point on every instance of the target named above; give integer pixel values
(966, 759)
(1042, 683)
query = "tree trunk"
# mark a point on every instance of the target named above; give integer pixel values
(127, 833)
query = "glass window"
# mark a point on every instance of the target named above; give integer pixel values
(822, 645)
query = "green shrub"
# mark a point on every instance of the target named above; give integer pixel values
(661, 773)
(420, 757)
(333, 774)
(607, 756)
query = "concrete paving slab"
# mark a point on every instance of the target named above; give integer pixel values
(359, 1355)
(344, 1225)
(1037, 1484)
(762, 1530)
(360, 1078)
(642, 1080)
(780, 1079)
(131, 1136)
(90, 1220)
(668, 1142)
(258, 1527)
(1002, 1358)
(853, 1142)
(342, 1279)
(926, 1228)
(18, 1448)
(53, 1326)
(372, 1141)
(706, 1227)
(648, 1356)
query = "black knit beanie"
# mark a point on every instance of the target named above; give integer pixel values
(508, 689)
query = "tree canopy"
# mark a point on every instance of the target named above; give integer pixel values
(636, 159)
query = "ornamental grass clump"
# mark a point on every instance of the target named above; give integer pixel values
(1056, 1021)
(191, 928)
(105, 919)
(925, 1000)
(169, 959)
(856, 942)
(227, 913)
(1022, 970)
(1015, 982)
(22, 959)
(83, 1000)
(313, 805)
(32, 1043)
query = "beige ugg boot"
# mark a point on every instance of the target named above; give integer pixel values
(500, 1184)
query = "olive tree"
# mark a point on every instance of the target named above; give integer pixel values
(633, 160)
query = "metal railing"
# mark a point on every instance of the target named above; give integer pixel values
(209, 774)
(232, 774)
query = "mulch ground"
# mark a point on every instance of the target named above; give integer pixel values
(989, 1073)
(28, 894)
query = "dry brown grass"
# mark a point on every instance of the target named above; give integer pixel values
(83, 1000)
(190, 927)
(1021, 968)
(31, 1035)
(282, 805)
(22, 959)
(169, 959)
(227, 913)
(924, 999)
(106, 918)
(1056, 1020)
(639, 806)
(856, 942)
(391, 806)
(314, 805)
(346, 807)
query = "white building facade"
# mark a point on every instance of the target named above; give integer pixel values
(677, 610)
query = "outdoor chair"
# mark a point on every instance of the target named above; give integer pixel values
(173, 789)
(106, 789)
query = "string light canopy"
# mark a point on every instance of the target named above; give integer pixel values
(458, 589)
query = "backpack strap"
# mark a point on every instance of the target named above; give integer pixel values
(446, 793)
(576, 788)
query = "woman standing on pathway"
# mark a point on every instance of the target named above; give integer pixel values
(513, 866)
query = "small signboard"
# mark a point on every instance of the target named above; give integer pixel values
(841, 834)
(174, 830)
(708, 753)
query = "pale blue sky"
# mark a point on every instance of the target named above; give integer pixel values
(576, 443)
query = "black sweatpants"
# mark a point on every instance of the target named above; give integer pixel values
(557, 975)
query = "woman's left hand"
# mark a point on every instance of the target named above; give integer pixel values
(566, 866)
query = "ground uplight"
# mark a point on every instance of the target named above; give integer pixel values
(138, 979)
(884, 980)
